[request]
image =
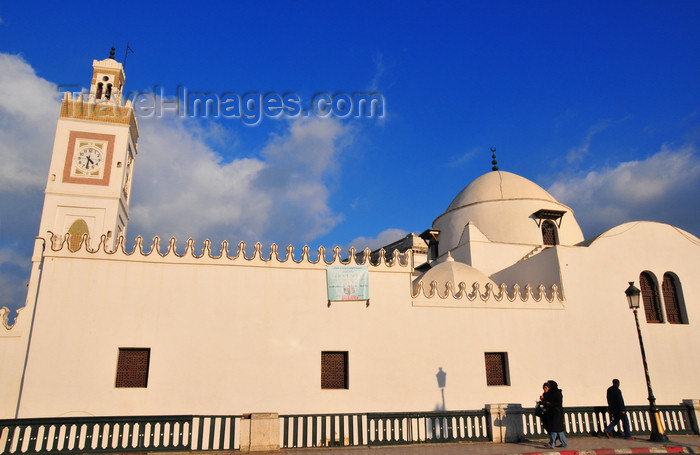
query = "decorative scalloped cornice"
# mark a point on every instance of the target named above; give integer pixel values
(58, 244)
(462, 292)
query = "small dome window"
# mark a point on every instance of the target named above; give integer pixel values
(549, 233)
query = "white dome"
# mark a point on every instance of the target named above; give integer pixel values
(502, 206)
(455, 273)
(499, 186)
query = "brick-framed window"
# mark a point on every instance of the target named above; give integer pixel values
(496, 368)
(334, 370)
(132, 367)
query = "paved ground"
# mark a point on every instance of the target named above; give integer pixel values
(582, 446)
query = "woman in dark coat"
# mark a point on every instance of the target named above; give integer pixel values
(553, 419)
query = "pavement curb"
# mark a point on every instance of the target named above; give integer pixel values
(625, 451)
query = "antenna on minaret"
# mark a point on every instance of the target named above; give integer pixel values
(111, 53)
(126, 52)
(494, 161)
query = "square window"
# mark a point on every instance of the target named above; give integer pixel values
(132, 367)
(496, 368)
(334, 370)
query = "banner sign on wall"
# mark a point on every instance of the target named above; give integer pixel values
(347, 282)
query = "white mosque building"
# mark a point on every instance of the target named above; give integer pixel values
(502, 293)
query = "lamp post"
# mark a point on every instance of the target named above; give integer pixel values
(657, 430)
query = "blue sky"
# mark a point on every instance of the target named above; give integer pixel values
(597, 102)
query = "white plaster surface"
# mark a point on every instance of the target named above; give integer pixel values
(237, 334)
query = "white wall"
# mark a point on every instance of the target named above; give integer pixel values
(234, 336)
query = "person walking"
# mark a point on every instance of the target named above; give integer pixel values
(617, 410)
(553, 419)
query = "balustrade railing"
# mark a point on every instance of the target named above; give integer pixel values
(220, 433)
(118, 434)
(591, 421)
(215, 433)
(427, 427)
(382, 428)
(323, 430)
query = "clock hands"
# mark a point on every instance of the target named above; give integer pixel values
(89, 159)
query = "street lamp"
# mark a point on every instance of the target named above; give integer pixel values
(657, 430)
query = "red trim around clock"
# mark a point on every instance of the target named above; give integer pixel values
(74, 136)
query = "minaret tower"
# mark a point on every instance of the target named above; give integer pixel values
(89, 182)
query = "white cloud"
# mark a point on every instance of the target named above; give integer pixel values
(14, 276)
(382, 239)
(182, 186)
(183, 189)
(579, 152)
(11, 257)
(464, 158)
(663, 187)
(378, 60)
(28, 109)
(29, 106)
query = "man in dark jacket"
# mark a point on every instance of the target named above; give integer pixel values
(616, 407)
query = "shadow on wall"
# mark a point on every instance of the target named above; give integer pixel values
(442, 380)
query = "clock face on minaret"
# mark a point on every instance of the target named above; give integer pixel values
(89, 158)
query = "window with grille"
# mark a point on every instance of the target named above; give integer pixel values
(496, 368)
(672, 302)
(549, 233)
(334, 370)
(650, 297)
(132, 367)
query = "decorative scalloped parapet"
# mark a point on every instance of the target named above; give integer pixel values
(6, 329)
(465, 295)
(4, 313)
(62, 245)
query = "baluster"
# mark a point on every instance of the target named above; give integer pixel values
(19, 438)
(234, 431)
(341, 429)
(285, 431)
(31, 429)
(212, 428)
(305, 431)
(332, 435)
(351, 429)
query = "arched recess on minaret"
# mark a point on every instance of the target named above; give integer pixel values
(76, 231)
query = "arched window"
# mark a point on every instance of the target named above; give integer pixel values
(650, 297)
(672, 300)
(98, 94)
(549, 233)
(108, 92)
(76, 231)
